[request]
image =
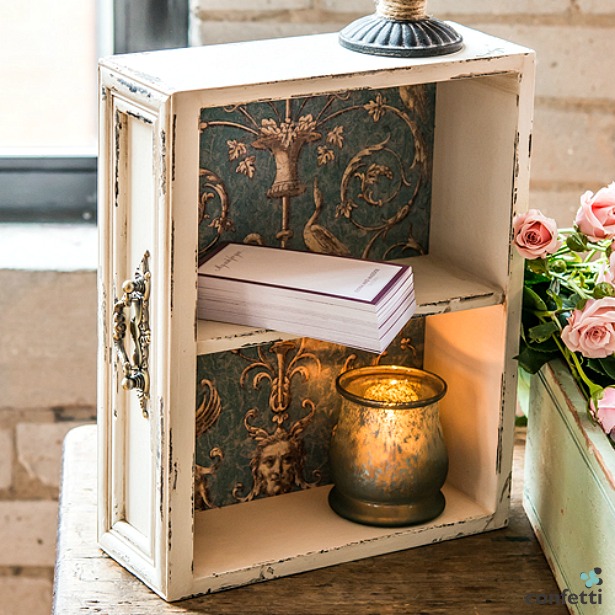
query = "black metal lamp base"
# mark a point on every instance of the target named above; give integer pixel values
(379, 35)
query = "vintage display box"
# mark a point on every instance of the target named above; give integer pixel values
(214, 437)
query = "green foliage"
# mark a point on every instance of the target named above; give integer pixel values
(603, 289)
(576, 242)
(603, 367)
(554, 286)
(543, 332)
(531, 359)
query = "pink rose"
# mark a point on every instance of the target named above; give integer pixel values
(591, 331)
(606, 410)
(535, 235)
(596, 216)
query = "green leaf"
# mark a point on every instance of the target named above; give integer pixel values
(531, 360)
(577, 242)
(531, 278)
(604, 289)
(547, 347)
(543, 332)
(607, 366)
(601, 372)
(571, 302)
(537, 265)
(533, 300)
(574, 302)
(594, 365)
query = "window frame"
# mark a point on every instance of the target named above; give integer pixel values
(61, 187)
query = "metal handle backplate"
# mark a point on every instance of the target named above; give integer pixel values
(135, 300)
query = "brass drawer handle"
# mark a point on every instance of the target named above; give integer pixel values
(135, 298)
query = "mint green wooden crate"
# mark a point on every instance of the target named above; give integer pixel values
(569, 492)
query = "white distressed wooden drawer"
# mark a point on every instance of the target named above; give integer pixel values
(466, 172)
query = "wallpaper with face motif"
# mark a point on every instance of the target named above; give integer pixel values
(347, 173)
(265, 413)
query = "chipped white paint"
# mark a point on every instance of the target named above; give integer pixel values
(311, 536)
(468, 287)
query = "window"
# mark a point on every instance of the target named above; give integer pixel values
(48, 121)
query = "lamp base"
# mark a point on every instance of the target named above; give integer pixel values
(379, 35)
(386, 515)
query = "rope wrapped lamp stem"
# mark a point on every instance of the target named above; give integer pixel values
(401, 10)
(400, 28)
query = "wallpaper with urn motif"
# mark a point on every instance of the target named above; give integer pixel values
(347, 173)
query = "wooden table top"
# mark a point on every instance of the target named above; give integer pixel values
(485, 574)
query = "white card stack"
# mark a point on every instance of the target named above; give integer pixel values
(353, 302)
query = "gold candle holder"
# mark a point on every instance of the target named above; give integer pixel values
(388, 457)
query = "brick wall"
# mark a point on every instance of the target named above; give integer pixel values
(47, 386)
(574, 136)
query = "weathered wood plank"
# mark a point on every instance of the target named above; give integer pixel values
(485, 574)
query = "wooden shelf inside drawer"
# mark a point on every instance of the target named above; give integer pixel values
(439, 288)
(276, 536)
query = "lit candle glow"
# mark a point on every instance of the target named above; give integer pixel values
(392, 391)
(388, 458)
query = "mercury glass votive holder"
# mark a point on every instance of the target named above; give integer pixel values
(387, 455)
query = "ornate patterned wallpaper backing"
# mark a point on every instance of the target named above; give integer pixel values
(344, 174)
(347, 173)
(265, 413)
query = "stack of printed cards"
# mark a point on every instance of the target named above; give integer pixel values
(348, 301)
